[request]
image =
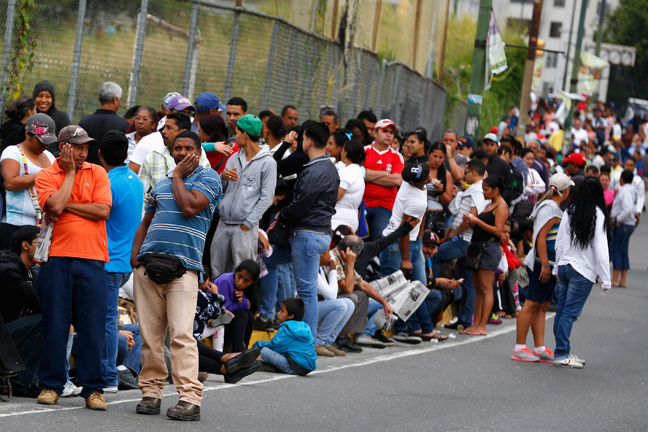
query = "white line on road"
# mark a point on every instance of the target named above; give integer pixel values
(373, 360)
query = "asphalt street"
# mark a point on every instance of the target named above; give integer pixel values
(465, 383)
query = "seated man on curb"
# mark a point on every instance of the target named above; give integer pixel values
(20, 307)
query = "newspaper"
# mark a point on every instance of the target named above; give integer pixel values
(402, 295)
(41, 254)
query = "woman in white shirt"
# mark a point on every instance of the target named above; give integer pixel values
(534, 183)
(623, 214)
(581, 256)
(352, 186)
(20, 163)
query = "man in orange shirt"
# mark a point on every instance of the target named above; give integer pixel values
(75, 196)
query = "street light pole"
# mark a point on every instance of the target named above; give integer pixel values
(476, 88)
(534, 29)
(569, 40)
(574, 79)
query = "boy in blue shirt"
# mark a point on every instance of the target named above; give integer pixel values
(292, 349)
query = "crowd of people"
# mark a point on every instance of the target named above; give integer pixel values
(152, 245)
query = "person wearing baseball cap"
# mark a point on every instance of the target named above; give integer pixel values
(249, 182)
(574, 167)
(207, 103)
(539, 262)
(383, 167)
(76, 198)
(496, 166)
(20, 160)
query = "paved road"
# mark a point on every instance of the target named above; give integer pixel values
(465, 383)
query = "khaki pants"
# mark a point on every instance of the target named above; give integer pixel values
(171, 306)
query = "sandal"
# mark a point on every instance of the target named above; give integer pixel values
(615, 284)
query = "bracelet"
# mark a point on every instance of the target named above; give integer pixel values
(546, 265)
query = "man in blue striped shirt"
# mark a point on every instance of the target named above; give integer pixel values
(173, 233)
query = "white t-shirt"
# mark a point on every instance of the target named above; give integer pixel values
(346, 210)
(20, 208)
(413, 202)
(579, 136)
(143, 148)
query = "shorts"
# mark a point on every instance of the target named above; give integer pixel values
(539, 292)
(491, 256)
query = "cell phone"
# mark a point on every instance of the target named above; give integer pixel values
(460, 280)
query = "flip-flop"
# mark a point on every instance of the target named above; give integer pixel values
(615, 284)
(440, 337)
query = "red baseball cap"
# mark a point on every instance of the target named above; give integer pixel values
(575, 158)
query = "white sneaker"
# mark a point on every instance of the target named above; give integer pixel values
(579, 360)
(569, 362)
(111, 389)
(71, 390)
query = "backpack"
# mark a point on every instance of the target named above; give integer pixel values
(517, 187)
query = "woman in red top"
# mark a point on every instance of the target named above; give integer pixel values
(212, 130)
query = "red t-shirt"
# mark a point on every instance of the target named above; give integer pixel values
(389, 160)
(215, 158)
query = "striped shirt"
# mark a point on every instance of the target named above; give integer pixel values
(551, 245)
(171, 232)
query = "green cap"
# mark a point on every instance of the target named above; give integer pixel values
(251, 124)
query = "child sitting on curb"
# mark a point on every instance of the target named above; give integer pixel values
(292, 349)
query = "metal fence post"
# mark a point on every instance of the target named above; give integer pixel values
(271, 56)
(381, 86)
(137, 55)
(232, 56)
(289, 83)
(397, 113)
(76, 59)
(190, 48)
(6, 51)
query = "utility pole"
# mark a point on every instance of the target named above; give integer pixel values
(599, 39)
(574, 79)
(374, 36)
(569, 40)
(534, 29)
(476, 88)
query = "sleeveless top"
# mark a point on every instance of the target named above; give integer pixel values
(479, 234)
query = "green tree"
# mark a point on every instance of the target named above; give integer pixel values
(628, 25)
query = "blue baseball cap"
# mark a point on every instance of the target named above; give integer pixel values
(208, 101)
(492, 137)
(464, 141)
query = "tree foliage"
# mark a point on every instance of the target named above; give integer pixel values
(628, 25)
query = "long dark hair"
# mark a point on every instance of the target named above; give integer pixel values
(214, 126)
(420, 137)
(582, 211)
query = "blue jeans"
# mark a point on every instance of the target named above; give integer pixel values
(73, 291)
(287, 286)
(451, 250)
(572, 290)
(432, 302)
(390, 262)
(377, 221)
(373, 308)
(620, 245)
(132, 358)
(304, 253)
(332, 316)
(109, 363)
(277, 360)
(27, 335)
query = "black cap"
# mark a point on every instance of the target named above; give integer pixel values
(415, 173)
(430, 237)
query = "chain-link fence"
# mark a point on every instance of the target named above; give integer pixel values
(153, 47)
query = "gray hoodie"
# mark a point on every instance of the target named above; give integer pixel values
(246, 200)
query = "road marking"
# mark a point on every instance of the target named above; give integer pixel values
(377, 359)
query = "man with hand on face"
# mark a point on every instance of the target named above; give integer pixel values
(160, 161)
(167, 265)
(75, 196)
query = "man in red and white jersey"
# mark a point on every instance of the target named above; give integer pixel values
(383, 166)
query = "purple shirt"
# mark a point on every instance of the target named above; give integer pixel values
(226, 288)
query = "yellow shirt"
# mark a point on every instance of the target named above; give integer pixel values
(556, 139)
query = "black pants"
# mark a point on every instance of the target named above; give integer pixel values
(209, 360)
(239, 331)
(505, 300)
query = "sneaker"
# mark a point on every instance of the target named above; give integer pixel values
(96, 402)
(232, 378)
(111, 389)
(224, 319)
(185, 411)
(345, 344)
(494, 320)
(579, 360)
(47, 397)
(407, 338)
(380, 336)
(335, 351)
(71, 390)
(369, 342)
(455, 325)
(322, 351)
(569, 362)
(126, 380)
(263, 325)
(149, 405)
(547, 356)
(524, 355)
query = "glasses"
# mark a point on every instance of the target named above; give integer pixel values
(142, 119)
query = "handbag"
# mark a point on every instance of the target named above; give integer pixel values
(279, 235)
(163, 268)
(474, 255)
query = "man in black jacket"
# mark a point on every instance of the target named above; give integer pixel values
(496, 167)
(105, 118)
(20, 306)
(309, 219)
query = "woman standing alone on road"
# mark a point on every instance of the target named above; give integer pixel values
(581, 256)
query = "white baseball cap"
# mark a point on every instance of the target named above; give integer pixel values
(560, 182)
(384, 124)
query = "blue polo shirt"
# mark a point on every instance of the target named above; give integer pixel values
(125, 216)
(171, 232)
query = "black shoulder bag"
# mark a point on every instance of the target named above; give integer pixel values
(474, 254)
